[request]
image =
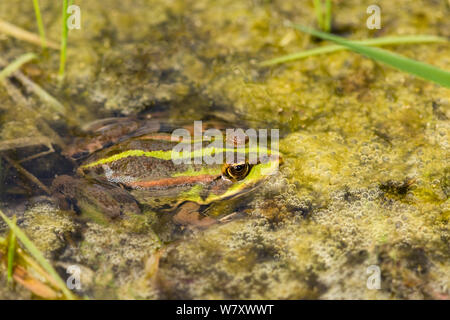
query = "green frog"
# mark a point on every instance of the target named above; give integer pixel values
(137, 171)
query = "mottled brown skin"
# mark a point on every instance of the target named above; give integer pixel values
(104, 132)
(74, 194)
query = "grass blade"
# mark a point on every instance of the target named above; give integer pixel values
(327, 21)
(420, 69)
(40, 24)
(65, 33)
(37, 255)
(12, 245)
(16, 65)
(382, 41)
(319, 13)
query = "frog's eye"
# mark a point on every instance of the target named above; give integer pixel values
(237, 171)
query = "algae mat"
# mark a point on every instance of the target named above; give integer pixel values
(365, 182)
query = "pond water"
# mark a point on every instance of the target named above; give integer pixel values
(365, 179)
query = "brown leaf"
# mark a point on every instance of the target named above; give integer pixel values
(40, 289)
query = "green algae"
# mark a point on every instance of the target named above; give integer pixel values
(354, 132)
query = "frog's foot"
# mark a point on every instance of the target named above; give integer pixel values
(106, 132)
(94, 199)
(229, 217)
(188, 214)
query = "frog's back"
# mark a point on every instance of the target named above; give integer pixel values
(146, 163)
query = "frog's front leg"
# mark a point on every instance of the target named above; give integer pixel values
(97, 199)
(188, 214)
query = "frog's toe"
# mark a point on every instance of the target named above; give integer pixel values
(188, 215)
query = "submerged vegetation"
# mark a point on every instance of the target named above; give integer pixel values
(365, 178)
(41, 265)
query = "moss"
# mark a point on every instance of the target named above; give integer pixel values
(353, 132)
(117, 254)
(49, 228)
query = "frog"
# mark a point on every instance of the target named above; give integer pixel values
(136, 171)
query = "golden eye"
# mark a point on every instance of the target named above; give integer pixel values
(237, 171)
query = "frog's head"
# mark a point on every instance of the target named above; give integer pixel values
(229, 180)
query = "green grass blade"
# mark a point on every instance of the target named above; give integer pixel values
(64, 35)
(382, 41)
(420, 69)
(327, 21)
(319, 13)
(37, 255)
(12, 245)
(398, 40)
(40, 24)
(16, 65)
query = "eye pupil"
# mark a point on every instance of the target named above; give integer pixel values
(238, 172)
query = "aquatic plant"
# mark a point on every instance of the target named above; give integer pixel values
(417, 68)
(323, 18)
(64, 35)
(414, 67)
(381, 41)
(12, 245)
(40, 24)
(55, 279)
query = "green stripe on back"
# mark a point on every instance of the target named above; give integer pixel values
(169, 155)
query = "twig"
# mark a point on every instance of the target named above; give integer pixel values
(27, 174)
(24, 142)
(20, 99)
(21, 34)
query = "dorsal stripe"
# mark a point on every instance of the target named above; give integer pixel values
(170, 155)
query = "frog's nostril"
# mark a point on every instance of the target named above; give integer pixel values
(79, 155)
(107, 144)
